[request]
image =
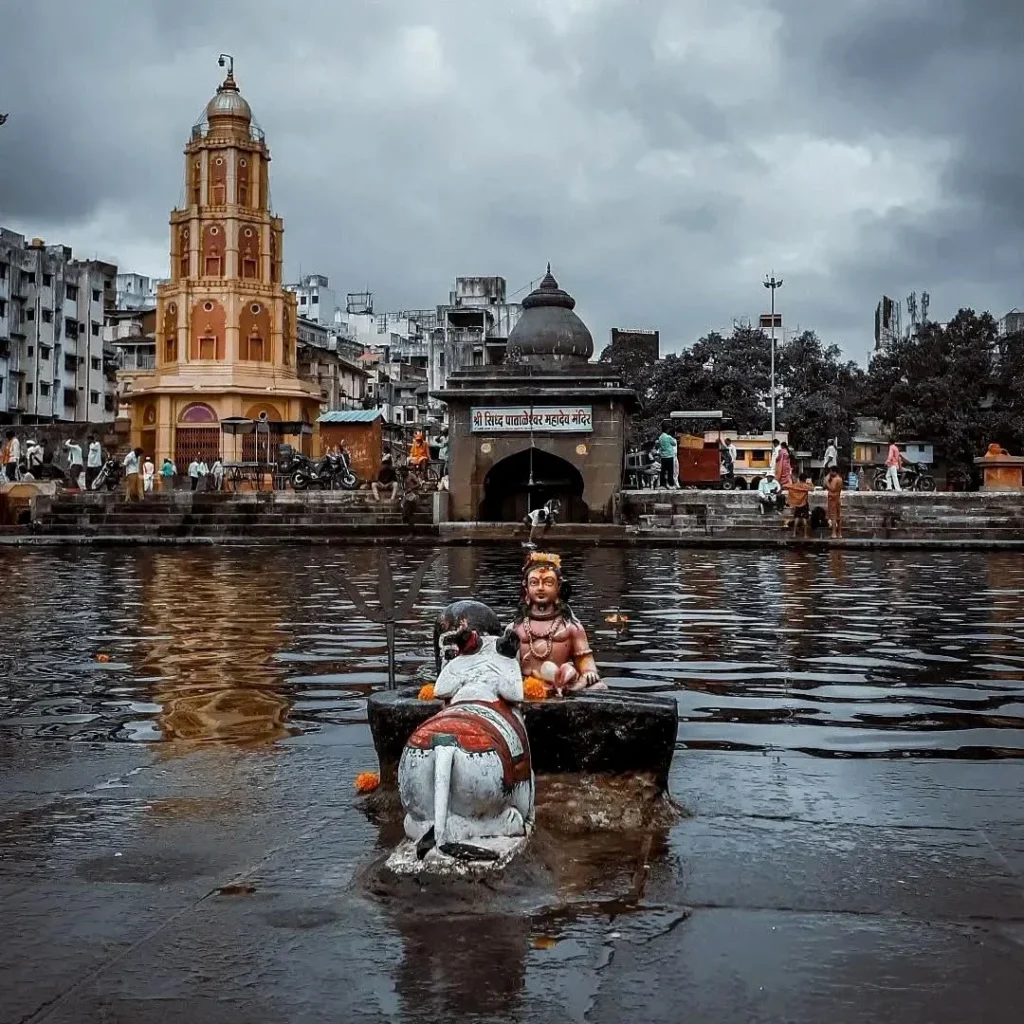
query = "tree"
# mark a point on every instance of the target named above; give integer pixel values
(939, 386)
(716, 372)
(823, 392)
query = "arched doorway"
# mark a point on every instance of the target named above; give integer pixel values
(509, 494)
(197, 435)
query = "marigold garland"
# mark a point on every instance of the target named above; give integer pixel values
(367, 782)
(426, 692)
(534, 688)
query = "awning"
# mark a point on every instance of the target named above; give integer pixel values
(237, 425)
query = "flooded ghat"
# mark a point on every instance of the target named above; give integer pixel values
(179, 732)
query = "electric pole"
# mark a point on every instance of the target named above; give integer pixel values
(773, 284)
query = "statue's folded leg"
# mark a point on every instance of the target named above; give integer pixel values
(508, 823)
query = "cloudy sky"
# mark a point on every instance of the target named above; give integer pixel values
(663, 154)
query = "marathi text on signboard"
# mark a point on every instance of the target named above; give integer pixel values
(561, 419)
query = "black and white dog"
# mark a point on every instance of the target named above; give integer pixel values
(542, 519)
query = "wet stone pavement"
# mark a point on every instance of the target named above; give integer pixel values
(179, 839)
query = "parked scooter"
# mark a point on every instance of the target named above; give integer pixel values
(912, 478)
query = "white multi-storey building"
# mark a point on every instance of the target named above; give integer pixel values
(54, 364)
(316, 299)
(136, 291)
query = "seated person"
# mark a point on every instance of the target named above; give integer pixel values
(419, 451)
(412, 486)
(798, 496)
(386, 477)
(769, 493)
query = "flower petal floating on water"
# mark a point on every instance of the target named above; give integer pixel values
(367, 782)
(426, 692)
(103, 658)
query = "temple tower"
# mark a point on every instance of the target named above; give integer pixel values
(225, 325)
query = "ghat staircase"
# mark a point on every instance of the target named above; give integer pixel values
(256, 516)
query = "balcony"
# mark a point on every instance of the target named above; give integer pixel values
(133, 361)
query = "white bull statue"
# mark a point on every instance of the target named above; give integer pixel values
(465, 778)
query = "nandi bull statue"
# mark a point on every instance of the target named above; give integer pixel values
(465, 778)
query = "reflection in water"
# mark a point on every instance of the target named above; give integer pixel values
(212, 662)
(839, 653)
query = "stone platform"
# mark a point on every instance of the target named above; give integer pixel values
(880, 515)
(586, 733)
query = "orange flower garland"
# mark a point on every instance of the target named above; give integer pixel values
(426, 692)
(367, 782)
(534, 688)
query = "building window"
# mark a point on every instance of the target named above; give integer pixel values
(72, 292)
(213, 266)
(253, 349)
(31, 351)
(29, 314)
(95, 363)
(96, 295)
(3, 304)
(95, 329)
(3, 271)
(94, 398)
(249, 268)
(316, 299)
(44, 389)
(47, 280)
(171, 350)
(47, 316)
(207, 348)
(218, 193)
(30, 277)
(28, 388)
(44, 351)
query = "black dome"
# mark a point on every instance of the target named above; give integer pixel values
(548, 328)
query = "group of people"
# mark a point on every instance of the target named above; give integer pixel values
(30, 460)
(141, 475)
(414, 478)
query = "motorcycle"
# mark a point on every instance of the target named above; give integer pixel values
(912, 478)
(109, 476)
(332, 471)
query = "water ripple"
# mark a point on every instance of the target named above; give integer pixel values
(838, 654)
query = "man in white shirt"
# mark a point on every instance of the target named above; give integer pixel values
(94, 461)
(218, 474)
(193, 473)
(830, 459)
(75, 467)
(34, 457)
(768, 492)
(12, 456)
(774, 457)
(132, 479)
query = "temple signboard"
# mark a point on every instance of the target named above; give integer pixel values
(550, 419)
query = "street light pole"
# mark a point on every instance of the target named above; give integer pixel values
(772, 283)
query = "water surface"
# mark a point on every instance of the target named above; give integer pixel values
(837, 653)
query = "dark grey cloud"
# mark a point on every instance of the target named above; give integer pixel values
(663, 154)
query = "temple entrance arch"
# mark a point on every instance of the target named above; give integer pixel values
(509, 495)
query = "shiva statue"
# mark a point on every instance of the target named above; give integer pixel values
(554, 648)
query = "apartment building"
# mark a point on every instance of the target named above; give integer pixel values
(54, 362)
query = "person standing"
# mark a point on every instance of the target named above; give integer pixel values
(667, 449)
(12, 456)
(830, 459)
(798, 495)
(834, 487)
(94, 461)
(148, 473)
(217, 472)
(75, 465)
(132, 480)
(893, 461)
(168, 471)
(204, 473)
(784, 466)
(34, 457)
(773, 458)
(193, 473)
